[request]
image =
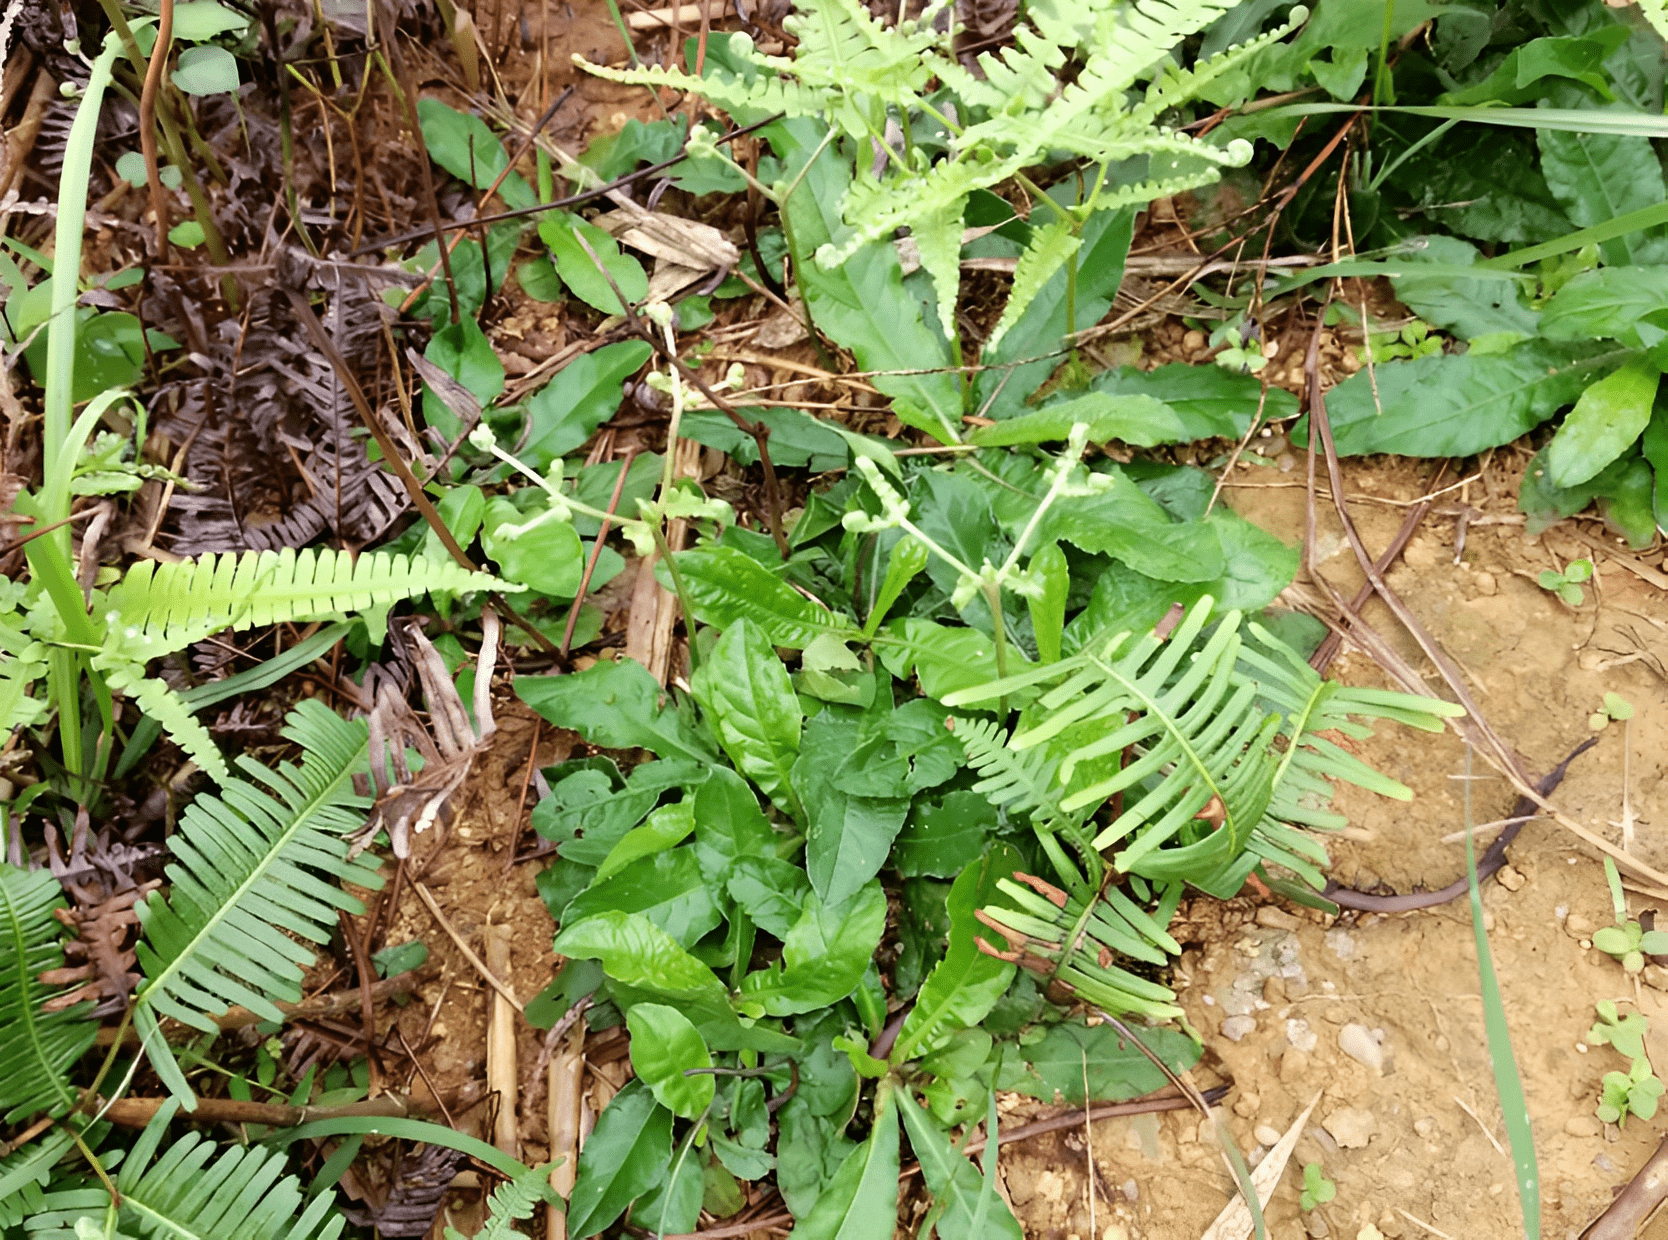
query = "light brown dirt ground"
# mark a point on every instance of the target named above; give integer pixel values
(1415, 1148)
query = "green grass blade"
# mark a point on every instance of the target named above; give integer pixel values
(1507, 1084)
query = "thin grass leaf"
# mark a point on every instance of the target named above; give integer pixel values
(1508, 1084)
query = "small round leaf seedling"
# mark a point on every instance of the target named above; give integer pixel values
(1567, 584)
(1317, 1189)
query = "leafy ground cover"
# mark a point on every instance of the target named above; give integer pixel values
(835, 520)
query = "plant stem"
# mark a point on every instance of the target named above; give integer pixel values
(999, 632)
(147, 122)
(665, 551)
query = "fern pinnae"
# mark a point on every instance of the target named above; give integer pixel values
(512, 1201)
(169, 605)
(250, 866)
(189, 1192)
(40, 1046)
(937, 236)
(1052, 246)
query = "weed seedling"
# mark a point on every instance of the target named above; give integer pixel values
(1317, 1189)
(1627, 940)
(1625, 1033)
(1616, 709)
(1634, 1092)
(1567, 584)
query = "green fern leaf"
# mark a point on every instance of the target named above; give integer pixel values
(765, 94)
(1053, 245)
(253, 881)
(22, 663)
(1100, 929)
(937, 236)
(190, 1192)
(169, 606)
(168, 709)
(1017, 782)
(25, 1173)
(37, 1047)
(512, 1201)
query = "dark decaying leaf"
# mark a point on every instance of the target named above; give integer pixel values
(409, 1203)
(279, 448)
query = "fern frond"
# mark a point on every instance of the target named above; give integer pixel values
(24, 1173)
(767, 93)
(1021, 783)
(1018, 78)
(169, 606)
(254, 878)
(1174, 85)
(512, 1201)
(848, 68)
(22, 663)
(1052, 246)
(1083, 937)
(168, 709)
(877, 209)
(1223, 751)
(37, 1047)
(937, 234)
(189, 1192)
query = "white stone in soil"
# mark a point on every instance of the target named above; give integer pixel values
(1350, 1127)
(1361, 1045)
(1236, 1027)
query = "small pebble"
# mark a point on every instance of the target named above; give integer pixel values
(1351, 1127)
(1510, 879)
(1315, 1224)
(1266, 1134)
(1236, 1027)
(1132, 1191)
(1360, 1044)
(1193, 341)
(1276, 918)
(1579, 927)
(1425, 1126)
(1300, 1035)
(1582, 1126)
(1245, 1106)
